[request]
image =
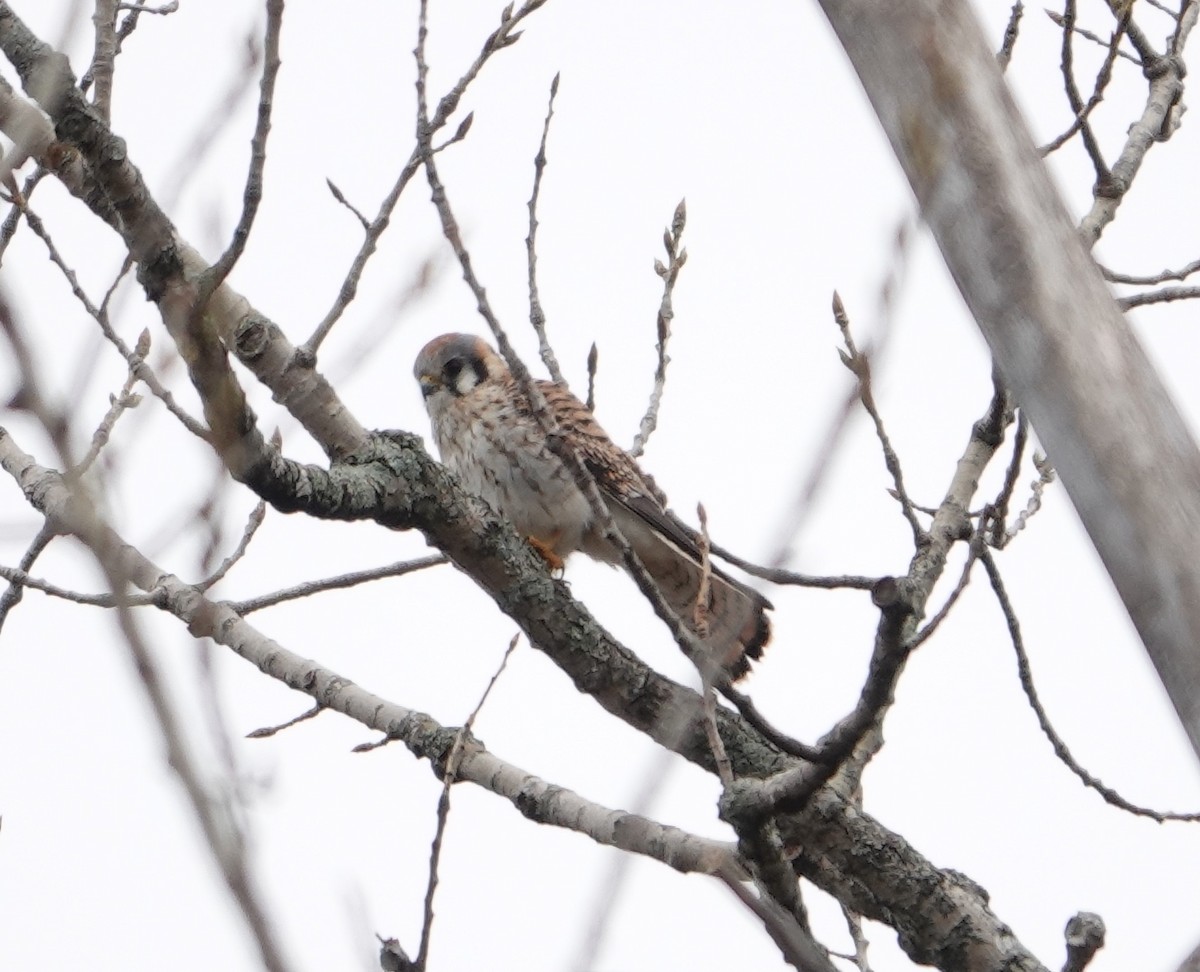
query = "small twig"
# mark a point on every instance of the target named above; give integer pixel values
(1110, 795)
(1156, 278)
(166, 8)
(1045, 478)
(392, 957)
(703, 545)
(854, 926)
(1000, 505)
(119, 404)
(102, 310)
(777, 575)
(24, 580)
(1164, 296)
(253, 522)
(1159, 120)
(790, 789)
(901, 602)
(341, 198)
(1004, 55)
(128, 25)
(253, 192)
(1086, 34)
(267, 731)
(537, 317)
(593, 359)
(105, 21)
(1085, 937)
(700, 619)
(811, 484)
(9, 227)
(943, 612)
(1141, 43)
(1103, 77)
(793, 747)
(502, 37)
(310, 588)
(136, 363)
(443, 808)
(799, 948)
(859, 365)
(374, 229)
(1078, 108)
(676, 258)
(1174, 15)
(13, 593)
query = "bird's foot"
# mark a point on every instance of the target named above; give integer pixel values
(545, 549)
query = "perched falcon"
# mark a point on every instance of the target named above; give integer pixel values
(487, 433)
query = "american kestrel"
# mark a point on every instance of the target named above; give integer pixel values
(487, 434)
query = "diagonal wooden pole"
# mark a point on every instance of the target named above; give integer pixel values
(1124, 453)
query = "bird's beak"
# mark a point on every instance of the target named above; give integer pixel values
(429, 384)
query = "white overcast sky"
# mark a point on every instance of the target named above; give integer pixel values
(750, 112)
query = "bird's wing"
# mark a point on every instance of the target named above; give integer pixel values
(737, 622)
(615, 471)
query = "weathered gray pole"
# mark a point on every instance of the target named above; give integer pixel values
(1124, 453)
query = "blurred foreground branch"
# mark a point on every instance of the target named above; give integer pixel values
(1125, 455)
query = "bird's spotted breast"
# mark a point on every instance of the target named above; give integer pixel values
(487, 433)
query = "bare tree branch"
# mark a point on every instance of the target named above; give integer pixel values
(859, 365)
(1011, 30)
(1083, 111)
(1078, 108)
(425, 738)
(1160, 117)
(1085, 937)
(537, 317)
(676, 258)
(901, 602)
(253, 191)
(105, 21)
(593, 359)
(1059, 21)
(137, 362)
(253, 522)
(1164, 296)
(799, 948)
(13, 593)
(1110, 795)
(1155, 278)
(309, 588)
(504, 36)
(449, 775)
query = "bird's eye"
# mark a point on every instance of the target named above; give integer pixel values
(454, 367)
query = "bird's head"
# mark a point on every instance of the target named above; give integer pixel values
(453, 364)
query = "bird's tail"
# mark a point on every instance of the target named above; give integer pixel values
(734, 626)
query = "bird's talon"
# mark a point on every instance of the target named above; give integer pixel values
(545, 550)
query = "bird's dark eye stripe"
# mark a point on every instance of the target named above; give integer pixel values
(455, 370)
